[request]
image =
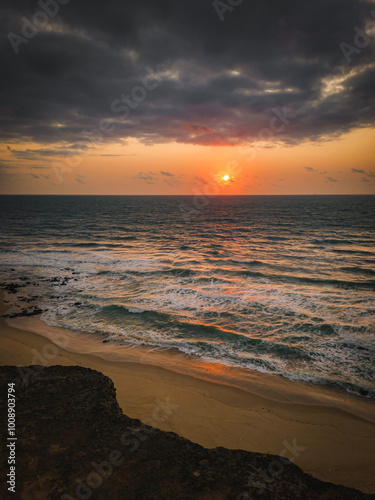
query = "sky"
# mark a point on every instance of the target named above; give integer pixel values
(187, 97)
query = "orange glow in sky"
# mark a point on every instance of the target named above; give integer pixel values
(344, 165)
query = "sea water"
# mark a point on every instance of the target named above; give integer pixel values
(278, 284)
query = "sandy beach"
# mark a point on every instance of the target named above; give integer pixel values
(329, 434)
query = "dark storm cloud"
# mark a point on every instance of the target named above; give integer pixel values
(188, 76)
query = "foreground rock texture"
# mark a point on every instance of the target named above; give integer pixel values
(75, 443)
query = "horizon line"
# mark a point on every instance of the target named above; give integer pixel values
(190, 195)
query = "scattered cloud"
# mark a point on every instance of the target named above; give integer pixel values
(81, 179)
(149, 177)
(358, 171)
(171, 179)
(367, 175)
(310, 169)
(199, 179)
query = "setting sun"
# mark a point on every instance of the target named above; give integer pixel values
(225, 178)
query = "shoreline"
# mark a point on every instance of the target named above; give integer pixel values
(217, 405)
(270, 386)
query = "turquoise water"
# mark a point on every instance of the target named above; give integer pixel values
(277, 284)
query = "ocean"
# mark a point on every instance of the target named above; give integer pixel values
(277, 284)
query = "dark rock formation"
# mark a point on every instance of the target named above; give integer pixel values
(74, 442)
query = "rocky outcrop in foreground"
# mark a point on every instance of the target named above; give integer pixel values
(73, 442)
